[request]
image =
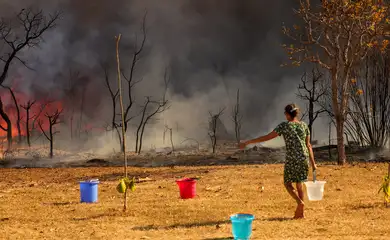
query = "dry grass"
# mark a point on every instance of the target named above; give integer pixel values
(44, 204)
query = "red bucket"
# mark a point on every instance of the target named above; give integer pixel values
(187, 187)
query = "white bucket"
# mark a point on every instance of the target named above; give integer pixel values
(315, 190)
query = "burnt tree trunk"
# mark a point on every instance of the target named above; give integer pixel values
(312, 90)
(53, 119)
(4, 115)
(213, 127)
(120, 138)
(51, 139)
(143, 129)
(141, 137)
(137, 136)
(17, 114)
(213, 134)
(237, 118)
(28, 127)
(27, 108)
(114, 99)
(214, 143)
(170, 135)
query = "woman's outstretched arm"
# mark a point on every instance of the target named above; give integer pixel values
(265, 138)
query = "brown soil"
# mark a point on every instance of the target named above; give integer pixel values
(44, 204)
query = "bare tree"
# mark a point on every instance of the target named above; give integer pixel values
(18, 117)
(27, 107)
(166, 129)
(8, 128)
(36, 117)
(34, 25)
(368, 110)
(114, 93)
(311, 90)
(53, 119)
(131, 82)
(368, 120)
(194, 140)
(146, 115)
(237, 118)
(213, 127)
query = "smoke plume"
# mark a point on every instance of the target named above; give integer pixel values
(211, 48)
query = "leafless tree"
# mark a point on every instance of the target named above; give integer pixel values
(166, 129)
(53, 119)
(192, 139)
(37, 116)
(8, 123)
(130, 81)
(214, 127)
(368, 120)
(311, 90)
(237, 118)
(18, 117)
(34, 25)
(147, 114)
(368, 109)
(114, 93)
(27, 107)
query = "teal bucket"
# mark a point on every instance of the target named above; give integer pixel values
(242, 226)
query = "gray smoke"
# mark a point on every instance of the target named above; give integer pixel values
(212, 48)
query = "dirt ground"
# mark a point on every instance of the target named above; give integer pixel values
(44, 203)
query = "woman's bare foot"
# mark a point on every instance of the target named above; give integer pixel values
(299, 213)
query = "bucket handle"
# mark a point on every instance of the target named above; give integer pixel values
(314, 175)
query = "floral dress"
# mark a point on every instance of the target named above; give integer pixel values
(296, 168)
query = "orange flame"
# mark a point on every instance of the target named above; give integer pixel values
(37, 112)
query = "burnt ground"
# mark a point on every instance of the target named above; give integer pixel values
(183, 157)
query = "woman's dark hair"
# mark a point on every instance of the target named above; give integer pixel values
(292, 110)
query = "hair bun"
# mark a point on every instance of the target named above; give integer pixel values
(293, 110)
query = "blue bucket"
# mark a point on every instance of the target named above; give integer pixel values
(242, 226)
(89, 191)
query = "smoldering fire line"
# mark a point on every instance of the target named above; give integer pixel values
(212, 48)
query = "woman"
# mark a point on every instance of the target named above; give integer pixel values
(296, 135)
